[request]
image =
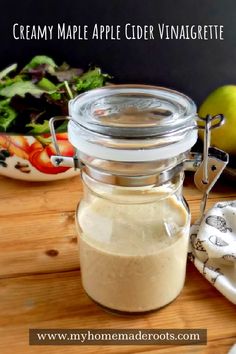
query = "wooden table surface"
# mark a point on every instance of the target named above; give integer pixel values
(41, 285)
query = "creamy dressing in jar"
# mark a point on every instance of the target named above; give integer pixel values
(133, 257)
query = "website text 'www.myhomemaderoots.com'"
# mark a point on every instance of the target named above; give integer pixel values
(117, 336)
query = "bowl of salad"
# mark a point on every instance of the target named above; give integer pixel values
(29, 97)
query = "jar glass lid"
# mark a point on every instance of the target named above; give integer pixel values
(134, 111)
(132, 123)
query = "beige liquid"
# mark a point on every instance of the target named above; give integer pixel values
(130, 260)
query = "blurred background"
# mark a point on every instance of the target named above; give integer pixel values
(194, 67)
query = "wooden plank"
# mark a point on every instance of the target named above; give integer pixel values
(38, 243)
(18, 197)
(37, 235)
(58, 301)
(42, 243)
(36, 218)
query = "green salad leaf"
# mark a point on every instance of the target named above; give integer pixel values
(21, 88)
(7, 71)
(41, 60)
(41, 90)
(38, 128)
(7, 115)
(91, 79)
(46, 85)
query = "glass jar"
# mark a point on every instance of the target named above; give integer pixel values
(133, 243)
(132, 142)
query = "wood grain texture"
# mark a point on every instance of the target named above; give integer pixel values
(41, 286)
(57, 300)
(36, 218)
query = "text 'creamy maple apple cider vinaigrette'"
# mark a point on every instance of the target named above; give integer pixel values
(132, 221)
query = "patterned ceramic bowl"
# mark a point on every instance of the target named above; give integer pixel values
(28, 157)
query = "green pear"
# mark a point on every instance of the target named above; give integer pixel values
(222, 100)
